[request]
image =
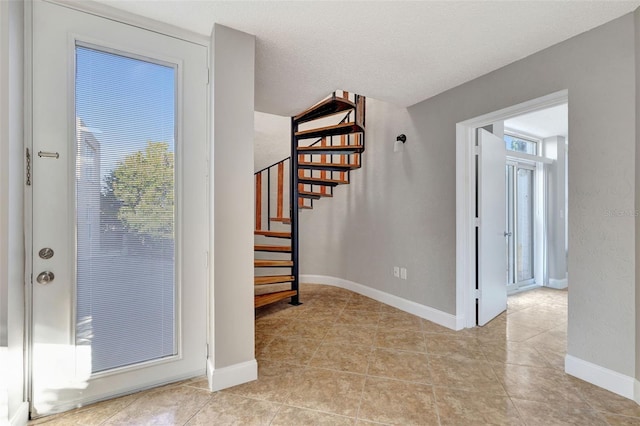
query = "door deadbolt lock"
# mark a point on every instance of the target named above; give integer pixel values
(45, 277)
(45, 253)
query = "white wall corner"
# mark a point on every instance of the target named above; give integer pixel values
(232, 375)
(558, 284)
(21, 416)
(603, 377)
(434, 315)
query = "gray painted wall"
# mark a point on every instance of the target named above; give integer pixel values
(400, 209)
(232, 98)
(555, 148)
(272, 139)
(637, 192)
(11, 197)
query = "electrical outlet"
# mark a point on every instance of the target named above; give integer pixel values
(396, 271)
(403, 273)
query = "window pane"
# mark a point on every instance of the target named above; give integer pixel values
(125, 289)
(513, 143)
(524, 224)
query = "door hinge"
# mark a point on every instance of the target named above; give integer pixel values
(476, 222)
(28, 167)
(207, 350)
(476, 294)
(476, 150)
(208, 76)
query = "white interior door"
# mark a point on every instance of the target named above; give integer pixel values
(492, 262)
(119, 208)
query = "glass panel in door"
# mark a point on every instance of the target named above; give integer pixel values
(125, 212)
(510, 172)
(524, 224)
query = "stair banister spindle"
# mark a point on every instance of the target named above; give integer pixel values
(269, 199)
(258, 219)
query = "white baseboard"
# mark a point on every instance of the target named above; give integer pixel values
(603, 377)
(21, 417)
(558, 284)
(636, 393)
(232, 375)
(434, 315)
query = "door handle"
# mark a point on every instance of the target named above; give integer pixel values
(507, 234)
(45, 277)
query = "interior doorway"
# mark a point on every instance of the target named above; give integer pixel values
(534, 206)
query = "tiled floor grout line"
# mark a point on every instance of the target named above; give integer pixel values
(499, 376)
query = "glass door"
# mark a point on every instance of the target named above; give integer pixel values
(520, 178)
(119, 209)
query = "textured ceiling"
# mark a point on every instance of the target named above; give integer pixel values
(543, 124)
(397, 51)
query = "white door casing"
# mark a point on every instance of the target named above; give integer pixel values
(492, 263)
(60, 376)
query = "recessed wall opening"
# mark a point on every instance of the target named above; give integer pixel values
(512, 206)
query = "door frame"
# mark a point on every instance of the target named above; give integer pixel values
(123, 17)
(466, 199)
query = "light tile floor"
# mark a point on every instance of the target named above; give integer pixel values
(342, 358)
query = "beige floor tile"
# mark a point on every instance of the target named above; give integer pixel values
(227, 409)
(292, 350)
(262, 341)
(603, 400)
(328, 391)
(458, 408)
(617, 420)
(199, 382)
(405, 340)
(319, 313)
(400, 365)
(464, 373)
(446, 344)
(513, 353)
(554, 359)
(269, 325)
(519, 331)
(275, 381)
(359, 302)
(168, 406)
(554, 340)
(342, 357)
(400, 320)
(432, 327)
(359, 317)
(305, 329)
(305, 355)
(557, 413)
(280, 310)
(351, 334)
(394, 402)
(537, 384)
(293, 416)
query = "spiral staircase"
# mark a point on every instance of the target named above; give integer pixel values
(327, 142)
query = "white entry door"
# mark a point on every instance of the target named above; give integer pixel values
(492, 262)
(119, 208)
